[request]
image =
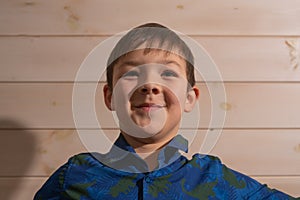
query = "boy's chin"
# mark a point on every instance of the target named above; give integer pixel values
(147, 138)
(145, 131)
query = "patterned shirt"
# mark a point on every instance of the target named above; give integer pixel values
(126, 176)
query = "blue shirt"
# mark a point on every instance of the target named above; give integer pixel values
(126, 176)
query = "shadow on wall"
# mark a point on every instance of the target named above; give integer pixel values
(17, 147)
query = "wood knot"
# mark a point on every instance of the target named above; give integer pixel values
(180, 7)
(297, 148)
(226, 106)
(293, 46)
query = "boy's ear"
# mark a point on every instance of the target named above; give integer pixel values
(107, 92)
(191, 99)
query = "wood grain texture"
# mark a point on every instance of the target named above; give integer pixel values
(255, 45)
(19, 188)
(57, 59)
(36, 152)
(248, 105)
(191, 17)
(287, 184)
(257, 152)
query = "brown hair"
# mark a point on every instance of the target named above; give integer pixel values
(149, 34)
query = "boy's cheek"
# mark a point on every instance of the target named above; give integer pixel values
(177, 89)
(175, 97)
(124, 88)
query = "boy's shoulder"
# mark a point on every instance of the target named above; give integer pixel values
(207, 158)
(204, 163)
(94, 163)
(92, 158)
(86, 159)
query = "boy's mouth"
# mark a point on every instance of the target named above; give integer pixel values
(149, 106)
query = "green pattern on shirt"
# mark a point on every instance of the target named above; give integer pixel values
(76, 191)
(232, 179)
(204, 190)
(123, 186)
(160, 185)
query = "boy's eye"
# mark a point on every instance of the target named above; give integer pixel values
(131, 74)
(169, 73)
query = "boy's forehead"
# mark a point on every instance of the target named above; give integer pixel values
(144, 56)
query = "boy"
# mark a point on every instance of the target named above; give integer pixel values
(150, 83)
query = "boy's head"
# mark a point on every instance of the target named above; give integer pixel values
(149, 36)
(150, 82)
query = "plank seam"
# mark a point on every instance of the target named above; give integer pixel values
(109, 35)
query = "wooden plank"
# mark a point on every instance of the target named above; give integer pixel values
(95, 17)
(38, 105)
(290, 185)
(257, 152)
(36, 152)
(59, 58)
(256, 105)
(252, 152)
(19, 188)
(27, 187)
(43, 59)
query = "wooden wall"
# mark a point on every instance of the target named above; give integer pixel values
(255, 44)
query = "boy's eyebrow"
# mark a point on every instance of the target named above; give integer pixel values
(171, 62)
(130, 63)
(137, 63)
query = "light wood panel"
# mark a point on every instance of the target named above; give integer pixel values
(46, 41)
(19, 188)
(255, 152)
(43, 59)
(28, 186)
(260, 152)
(287, 184)
(59, 58)
(191, 17)
(36, 152)
(256, 105)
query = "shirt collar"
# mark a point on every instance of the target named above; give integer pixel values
(122, 155)
(178, 142)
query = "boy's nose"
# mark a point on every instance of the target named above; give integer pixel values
(150, 88)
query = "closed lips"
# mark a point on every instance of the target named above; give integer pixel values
(150, 105)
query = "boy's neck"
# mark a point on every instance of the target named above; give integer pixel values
(145, 146)
(147, 149)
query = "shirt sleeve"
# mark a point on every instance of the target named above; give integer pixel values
(241, 186)
(53, 188)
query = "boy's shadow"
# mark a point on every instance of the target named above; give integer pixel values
(17, 146)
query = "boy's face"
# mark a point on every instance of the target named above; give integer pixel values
(150, 93)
